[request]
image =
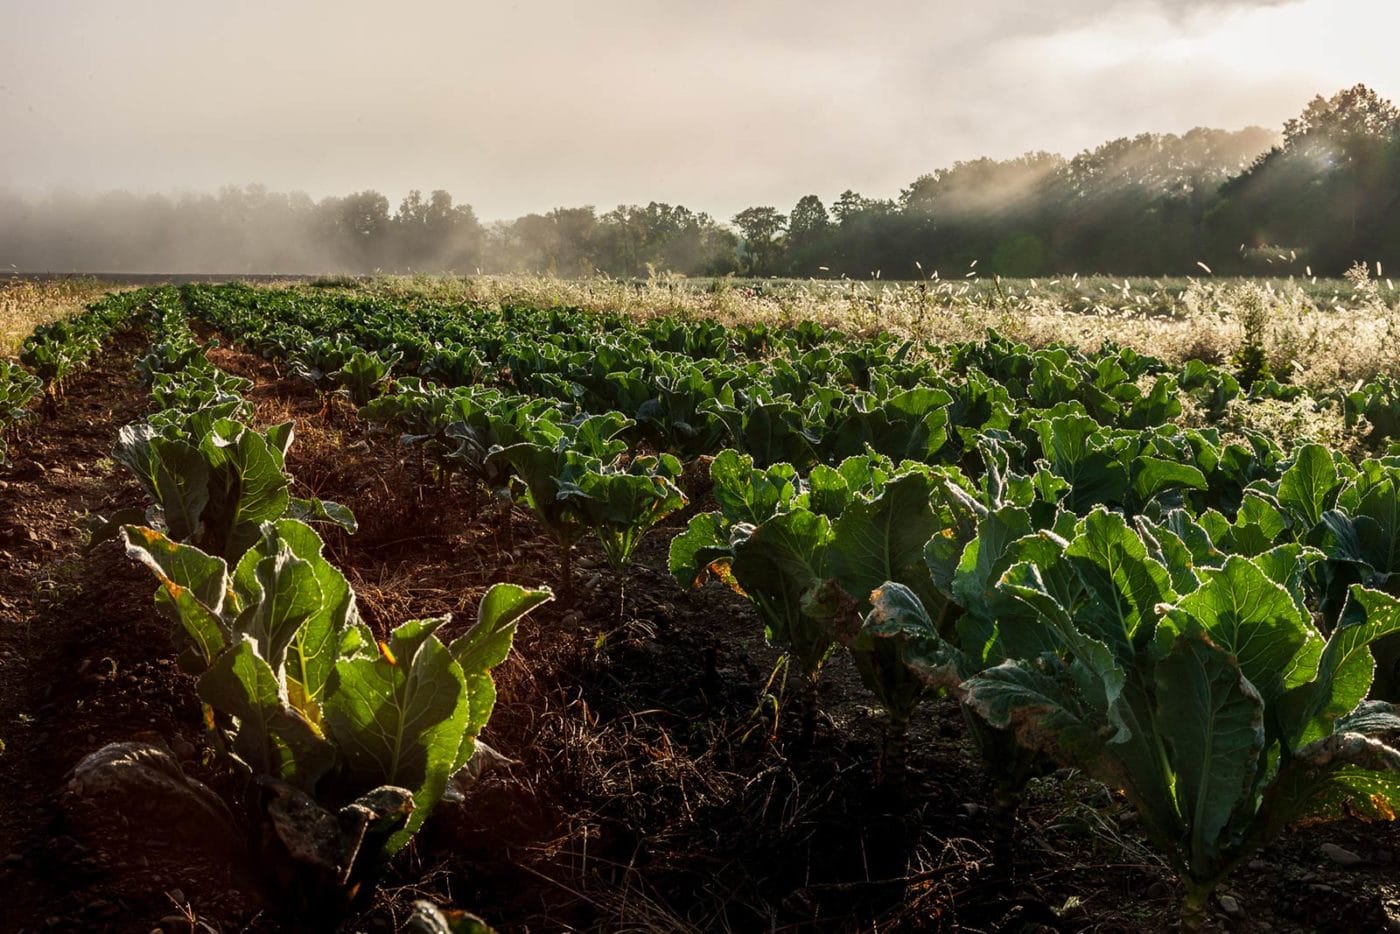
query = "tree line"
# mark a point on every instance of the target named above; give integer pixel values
(1316, 197)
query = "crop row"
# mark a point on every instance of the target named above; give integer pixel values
(343, 742)
(52, 353)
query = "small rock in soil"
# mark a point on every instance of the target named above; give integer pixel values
(1230, 905)
(1340, 856)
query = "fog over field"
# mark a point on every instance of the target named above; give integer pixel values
(519, 107)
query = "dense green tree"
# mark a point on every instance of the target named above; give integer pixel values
(1328, 194)
(761, 229)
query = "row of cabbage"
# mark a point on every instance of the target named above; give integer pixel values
(343, 742)
(1189, 619)
(50, 355)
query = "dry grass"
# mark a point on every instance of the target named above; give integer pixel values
(25, 303)
(1316, 333)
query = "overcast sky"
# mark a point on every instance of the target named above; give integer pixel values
(520, 106)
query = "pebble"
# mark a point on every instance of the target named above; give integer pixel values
(1340, 856)
(1257, 865)
(1230, 905)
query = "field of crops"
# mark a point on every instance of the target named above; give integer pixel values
(890, 614)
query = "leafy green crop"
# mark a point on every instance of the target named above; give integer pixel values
(18, 388)
(621, 503)
(215, 481)
(364, 376)
(1219, 711)
(300, 691)
(552, 464)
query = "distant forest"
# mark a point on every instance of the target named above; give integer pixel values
(1318, 196)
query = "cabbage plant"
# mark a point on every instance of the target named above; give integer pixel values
(619, 504)
(1206, 696)
(315, 711)
(213, 481)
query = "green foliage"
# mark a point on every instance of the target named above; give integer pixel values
(1221, 711)
(216, 486)
(621, 503)
(299, 687)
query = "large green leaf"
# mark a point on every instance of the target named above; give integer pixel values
(1252, 618)
(1309, 487)
(1212, 720)
(284, 595)
(697, 548)
(883, 540)
(898, 652)
(1153, 475)
(322, 510)
(1040, 704)
(776, 566)
(246, 487)
(988, 555)
(1345, 669)
(1125, 584)
(194, 586)
(401, 718)
(313, 647)
(173, 474)
(272, 737)
(487, 643)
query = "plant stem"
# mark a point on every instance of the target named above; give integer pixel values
(807, 698)
(566, 570)
(895, 750)
(1194, 906)
(1006, 801)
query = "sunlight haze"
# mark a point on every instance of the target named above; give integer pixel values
(518, 107)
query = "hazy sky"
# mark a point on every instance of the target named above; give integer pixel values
(519, 106)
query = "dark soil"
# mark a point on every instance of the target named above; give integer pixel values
(85, 661)
(656, 782)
